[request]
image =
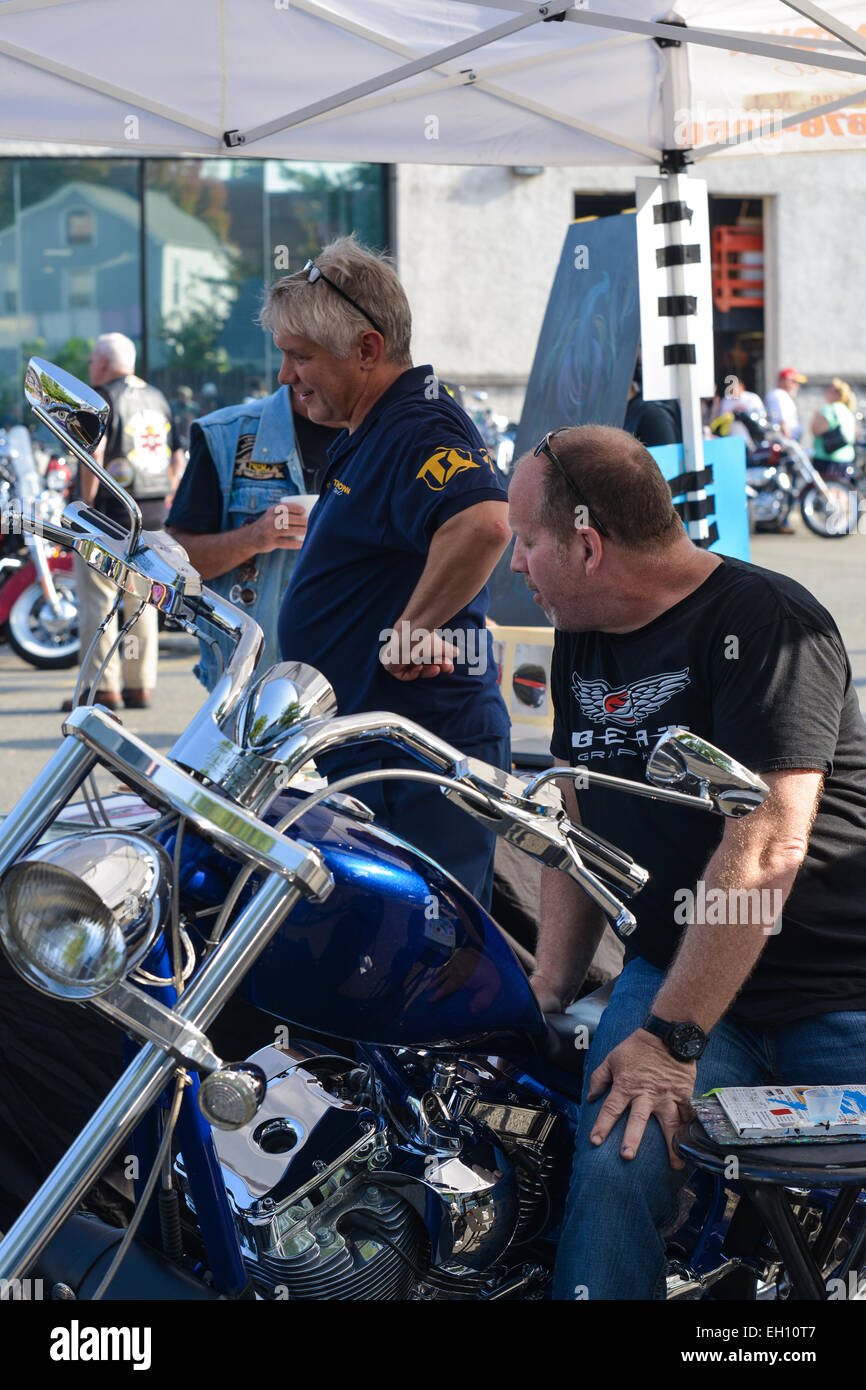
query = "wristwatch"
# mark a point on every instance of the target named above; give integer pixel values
(684, 1041)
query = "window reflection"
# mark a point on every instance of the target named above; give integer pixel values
(212, 233)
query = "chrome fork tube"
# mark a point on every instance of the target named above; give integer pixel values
(56, 783)
(142, 1082)
(43, 571)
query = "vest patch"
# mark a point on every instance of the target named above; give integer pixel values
(259, 470)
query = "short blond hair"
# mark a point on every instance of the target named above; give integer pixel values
(315, 311)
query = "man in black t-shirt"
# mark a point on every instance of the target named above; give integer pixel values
(140, 451)
(752, 932)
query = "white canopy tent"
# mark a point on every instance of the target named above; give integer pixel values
(443, 81)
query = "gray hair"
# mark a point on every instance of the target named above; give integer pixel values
(317, 312)
(118, 351)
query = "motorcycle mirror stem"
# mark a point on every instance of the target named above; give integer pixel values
(79, 417)
(720, 783)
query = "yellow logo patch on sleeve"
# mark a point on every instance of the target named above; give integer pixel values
(443, 465)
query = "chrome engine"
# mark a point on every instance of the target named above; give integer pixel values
(334, 1200)
(771, 492)
(301, 1180)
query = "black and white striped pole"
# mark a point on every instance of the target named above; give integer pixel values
(676, 296)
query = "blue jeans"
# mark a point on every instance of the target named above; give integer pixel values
(420, 814)
(611, 1244)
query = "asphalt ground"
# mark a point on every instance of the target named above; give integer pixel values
(30, 699)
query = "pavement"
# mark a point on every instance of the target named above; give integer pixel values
(30, 699)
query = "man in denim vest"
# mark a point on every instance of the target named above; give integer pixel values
(233, 512)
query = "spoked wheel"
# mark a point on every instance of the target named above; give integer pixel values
(38, 635)
(836, 514)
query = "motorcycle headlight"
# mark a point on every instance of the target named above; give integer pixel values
(78, 915)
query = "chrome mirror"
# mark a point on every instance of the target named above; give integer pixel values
(79, 417)
(681, 758)
(75, 413)
(289, 695)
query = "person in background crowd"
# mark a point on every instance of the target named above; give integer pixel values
(652, 422)
(736, 400)
(782, 403)
(834, 426)
(409, 526)
(183, 411)
(140, 451)
(233, 512)
(771, 990)
(256, 390)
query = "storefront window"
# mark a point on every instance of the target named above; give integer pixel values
(212, 233)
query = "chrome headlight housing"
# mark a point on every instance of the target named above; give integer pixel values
(77, 915)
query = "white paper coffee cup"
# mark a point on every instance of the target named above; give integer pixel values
(307, 500)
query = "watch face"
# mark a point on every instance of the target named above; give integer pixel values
(687, 1041)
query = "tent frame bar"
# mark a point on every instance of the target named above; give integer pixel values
(798, 117)
(849, 36)
(485, 84)
(535, 15)
(526, 16)
(679, 33)
(103, 88)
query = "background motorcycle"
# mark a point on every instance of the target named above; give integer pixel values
(780, 472)
(425, 1155)
(38, 602)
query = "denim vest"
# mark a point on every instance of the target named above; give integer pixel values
(246, 498)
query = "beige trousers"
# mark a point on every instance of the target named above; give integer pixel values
(138, 652)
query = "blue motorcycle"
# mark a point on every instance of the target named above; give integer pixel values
(404, 1128)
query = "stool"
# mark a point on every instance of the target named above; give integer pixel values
(765, 1170)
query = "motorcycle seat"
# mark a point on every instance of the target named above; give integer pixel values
(828, 1164)
(569, 1034)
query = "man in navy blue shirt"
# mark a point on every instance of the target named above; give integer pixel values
(388, 597)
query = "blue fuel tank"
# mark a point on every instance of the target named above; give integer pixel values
(398, 955)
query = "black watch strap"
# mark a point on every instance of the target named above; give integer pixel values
(684, 1041)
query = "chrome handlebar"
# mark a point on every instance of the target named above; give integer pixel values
(223, 737)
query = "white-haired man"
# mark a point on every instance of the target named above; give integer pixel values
(410, 523)
(139, 451)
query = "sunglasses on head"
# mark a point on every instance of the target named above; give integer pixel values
(313, 273)
(544, 448)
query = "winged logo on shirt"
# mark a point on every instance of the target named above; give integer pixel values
(627, 704)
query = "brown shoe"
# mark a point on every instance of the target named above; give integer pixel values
(136, 699)
(109, 698)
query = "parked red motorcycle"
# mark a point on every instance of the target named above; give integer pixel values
(38, 601)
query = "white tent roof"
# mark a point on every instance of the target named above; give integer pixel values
(443, 81)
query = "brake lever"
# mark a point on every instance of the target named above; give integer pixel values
(621, 919)
(545, 833)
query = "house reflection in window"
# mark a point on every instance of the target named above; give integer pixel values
(79, 227)
(82, 289)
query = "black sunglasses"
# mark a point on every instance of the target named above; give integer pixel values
(544, 448)
(313, 273)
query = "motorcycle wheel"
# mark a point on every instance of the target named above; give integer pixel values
(36, 636)
(839, 518)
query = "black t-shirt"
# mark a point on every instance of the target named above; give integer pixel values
(654, 422)
(752, 662)
(197, 506)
